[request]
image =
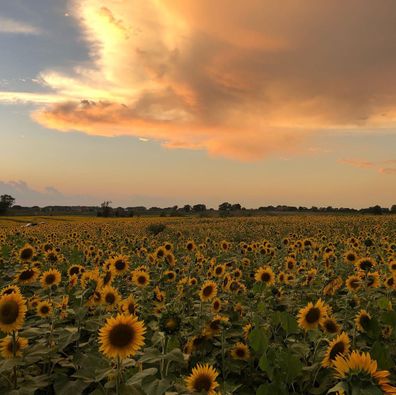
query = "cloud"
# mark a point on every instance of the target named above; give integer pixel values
(387, 170)
(364, 164)
(28, 196)
(238, 79)
(11, 26)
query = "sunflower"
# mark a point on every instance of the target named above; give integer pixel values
(107, 278)
(215, 325)
(373, 280)
(26, 253)
(129, 306)
(202, 379)
(216, 305)
(75, 270)
(50, 277)
(169, 276)
(169, 323)
(190, 245)
(339, 345)
(353, 283)
(265, 275)
(27, 275)
(392, 265)
(362, 320)
(360, 368)
(44, 309)
(7, 346)
(119, 264)
(311, 316)
(91, 279)
(350, 257)
(121, 336)
(140, 278)
(365, 263)
(208, 291)
(12, 312)
(219, 271)
(330, 325)
(10, 289)
(240, 351)
(110, 296)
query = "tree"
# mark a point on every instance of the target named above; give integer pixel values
(199, 208)
(393, 209)
(236, 206)
(105, 209)
(187, 208)
(6, 202)
(225, 206)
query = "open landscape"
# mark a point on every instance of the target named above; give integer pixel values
(197, 197)
(267, 305)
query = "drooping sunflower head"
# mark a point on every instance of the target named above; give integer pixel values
(12, 312)
(27, 275)
(339, 345)
(121, 336)
(50, 278)
(202, 379)
(169, 323)
(362, 320)
(75, 270)
(10, 289)
(313, 315)
(360, 370)
(240, 351)
(129, 306)
(353, 283)
(365, 264)
(7, 346)
(208, 291)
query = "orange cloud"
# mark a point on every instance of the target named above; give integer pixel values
(363, 164)
(241, 79)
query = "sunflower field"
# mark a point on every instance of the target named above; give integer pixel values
(267, 305)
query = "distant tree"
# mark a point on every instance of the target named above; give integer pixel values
(199, 208)
(393, 209)
(225, 206)
(6, 202)
(236, 206)
(105, 209)
(187, 208)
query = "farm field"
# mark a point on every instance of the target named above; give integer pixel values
(263, 305)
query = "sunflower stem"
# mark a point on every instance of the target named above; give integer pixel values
(14, 350)
(118, 376)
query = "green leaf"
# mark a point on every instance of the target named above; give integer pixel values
(382, 355)
(290, 365)
(264, 365)
(70, 387)
(138, 377)
(382, 303)
(288, 322)
(258, 340)
(157, 387)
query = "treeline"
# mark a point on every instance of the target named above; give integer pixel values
(225, 209)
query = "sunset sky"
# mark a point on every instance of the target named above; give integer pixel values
(162, 102)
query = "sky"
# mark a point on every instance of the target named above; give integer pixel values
(163, 102)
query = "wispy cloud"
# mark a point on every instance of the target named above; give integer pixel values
(11, 26)
(378, 165)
